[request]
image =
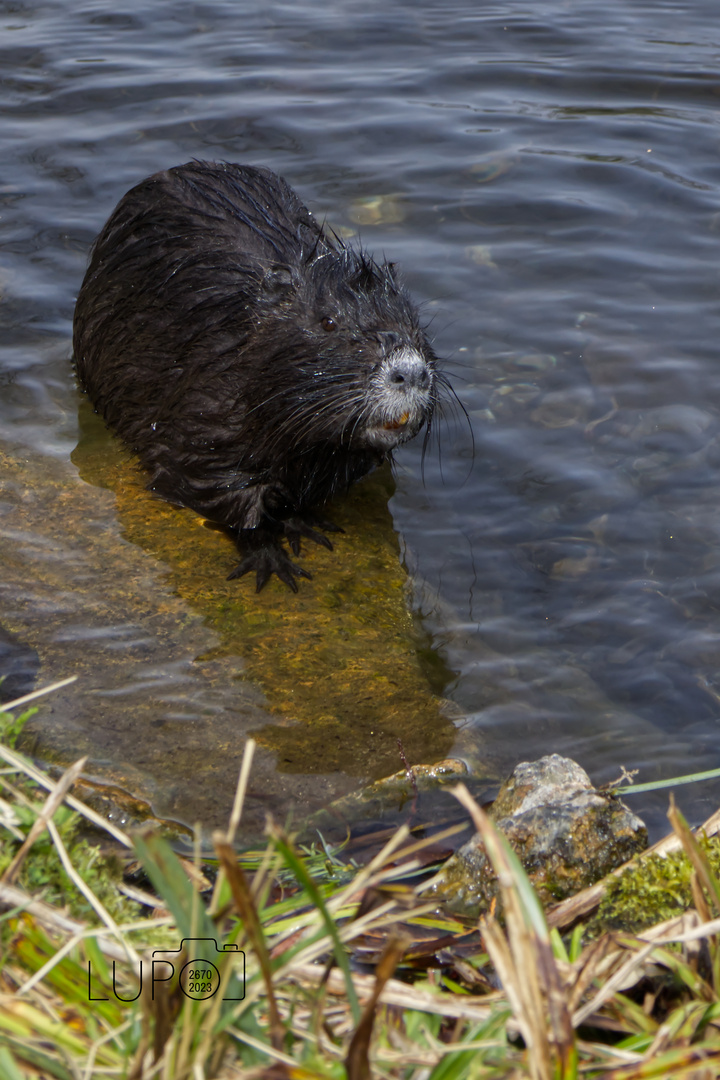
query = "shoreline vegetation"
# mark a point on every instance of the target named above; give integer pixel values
(122, 959)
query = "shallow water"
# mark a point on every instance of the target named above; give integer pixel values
(547, 178)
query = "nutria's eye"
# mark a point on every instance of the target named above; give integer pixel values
(328, 324)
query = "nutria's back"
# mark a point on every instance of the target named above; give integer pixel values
(254, 362)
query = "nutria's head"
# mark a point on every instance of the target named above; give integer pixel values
(348, 361)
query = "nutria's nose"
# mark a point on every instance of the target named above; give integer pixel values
(407, 368)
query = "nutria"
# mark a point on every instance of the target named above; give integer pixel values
(255, 362)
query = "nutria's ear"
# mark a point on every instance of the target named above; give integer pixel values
(278, 280)
(365, 278)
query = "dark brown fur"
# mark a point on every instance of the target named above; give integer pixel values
(255, 363)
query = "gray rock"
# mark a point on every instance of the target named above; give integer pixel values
(566, 833)
(682, 420)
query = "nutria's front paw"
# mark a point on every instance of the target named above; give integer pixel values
(266, 561)
(296, 527)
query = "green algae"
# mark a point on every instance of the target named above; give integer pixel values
(657, 888)
(339, 662)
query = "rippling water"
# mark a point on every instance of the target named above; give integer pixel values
(547, 178)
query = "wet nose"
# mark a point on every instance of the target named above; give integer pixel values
(408, 369)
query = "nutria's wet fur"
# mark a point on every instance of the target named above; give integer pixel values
(254, 362)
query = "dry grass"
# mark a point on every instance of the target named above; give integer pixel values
(621, 1007)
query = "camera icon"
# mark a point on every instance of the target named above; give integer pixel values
(199, 978)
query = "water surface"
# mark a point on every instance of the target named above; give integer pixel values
(547, 178)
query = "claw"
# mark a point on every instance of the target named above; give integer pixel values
(293, 539)
(324, 524)
(268, 558)
(297, 527)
